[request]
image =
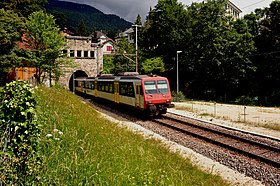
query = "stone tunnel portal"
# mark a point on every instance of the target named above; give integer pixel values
(78, 73)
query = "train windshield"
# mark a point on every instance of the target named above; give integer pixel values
(150, 87)
(155, 87)
(162, 86)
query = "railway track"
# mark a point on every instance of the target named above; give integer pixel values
(261, 148)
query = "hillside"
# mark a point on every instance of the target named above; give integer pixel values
(93, 18)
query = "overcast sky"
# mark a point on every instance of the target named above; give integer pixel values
(129, 9)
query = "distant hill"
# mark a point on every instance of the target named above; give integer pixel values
(92, 17)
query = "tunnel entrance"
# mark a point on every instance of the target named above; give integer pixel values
(78, 73)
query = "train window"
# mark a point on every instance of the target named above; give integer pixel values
(150, 87)
(127, 89)
(162, 86)
(100, 86)
(90, 85)
(106, 87)
(81, 84)
(111, 87)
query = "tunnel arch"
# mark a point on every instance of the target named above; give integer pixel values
(75, 74)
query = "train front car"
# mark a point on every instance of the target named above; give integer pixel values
(157, 95)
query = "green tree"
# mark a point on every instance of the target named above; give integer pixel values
(266, 23)
(138, 20)
(165, 31)
(44, 44)
(23, 7)
(152, 66)
(82, 29)
(124, 59)
(11, 26)
(60, 19)
(108, 64)
(216, 49)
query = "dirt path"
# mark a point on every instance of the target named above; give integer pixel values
(265, 120)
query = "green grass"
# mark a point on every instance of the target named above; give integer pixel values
(94, 151)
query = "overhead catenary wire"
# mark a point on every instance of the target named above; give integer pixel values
(253, 4)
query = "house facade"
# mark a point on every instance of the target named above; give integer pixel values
(106, 44)
(232, 10)
(128, 34)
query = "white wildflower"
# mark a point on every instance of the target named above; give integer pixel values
(55, 130)
(60, 133)
(49, 135)
(57, 139)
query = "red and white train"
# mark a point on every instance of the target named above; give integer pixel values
(150, 94)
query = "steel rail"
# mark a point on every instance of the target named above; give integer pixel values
(253, 149)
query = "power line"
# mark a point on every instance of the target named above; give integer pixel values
(267, 53)
(253, 4)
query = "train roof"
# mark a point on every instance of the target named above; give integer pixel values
(120, 76)
(80, 78)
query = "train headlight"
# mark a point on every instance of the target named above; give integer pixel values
(149, 101)
(167, 100)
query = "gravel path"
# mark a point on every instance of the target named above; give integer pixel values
(256, 118)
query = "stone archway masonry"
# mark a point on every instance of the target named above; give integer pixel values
(87, 55)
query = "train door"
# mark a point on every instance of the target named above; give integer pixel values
(95, 89)
(137, 95)
(116, 92)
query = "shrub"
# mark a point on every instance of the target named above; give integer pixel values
(245, 100)
(178, 97)
(20, 162)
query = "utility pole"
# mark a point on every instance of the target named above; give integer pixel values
(136, 46)
(178, 52)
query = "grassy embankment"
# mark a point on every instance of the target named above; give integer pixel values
(94, 151)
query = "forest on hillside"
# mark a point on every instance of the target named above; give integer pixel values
(73, 16)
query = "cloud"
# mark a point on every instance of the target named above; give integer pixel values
(126, 9)
(129, 9)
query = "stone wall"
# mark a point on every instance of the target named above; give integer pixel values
(87, 55)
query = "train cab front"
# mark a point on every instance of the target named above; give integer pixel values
(157, 96)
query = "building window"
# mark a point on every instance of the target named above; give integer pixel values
(85, 53)
(92, 54)
(109, 48)
(79, 53)
(72, 53)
